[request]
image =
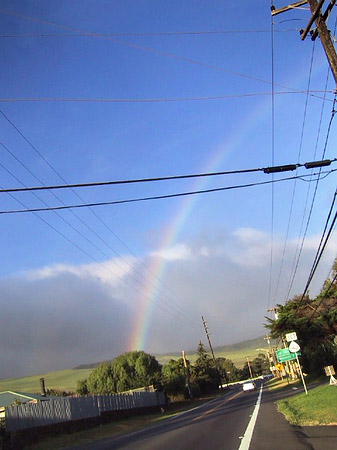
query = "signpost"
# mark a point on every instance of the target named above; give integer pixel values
(294, 349)
(285, 355)
(330, 372)
(293, 352)
(291, 336)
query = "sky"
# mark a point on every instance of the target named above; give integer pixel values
(124, 90)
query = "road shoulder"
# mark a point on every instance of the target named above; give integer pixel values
(272, 431)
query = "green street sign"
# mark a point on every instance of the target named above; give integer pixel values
(286, 355)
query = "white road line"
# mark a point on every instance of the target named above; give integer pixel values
(247, 437)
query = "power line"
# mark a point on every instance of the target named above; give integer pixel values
(320, 251)
(160, 197)
(314, 195)
(297, 252)
(333, 112)
(324, 296)
(139, 47)
(151, 100)
(272, 157)
(78, 217)
(145, 34)
(85, 238)
(267, 170)
(176, 315)
(79, 197)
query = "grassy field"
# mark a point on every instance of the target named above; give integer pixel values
(65, 380)
(319, 407)
(236, 352)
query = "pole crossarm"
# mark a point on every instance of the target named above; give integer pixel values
(314, 16)
(321, 28)
(314, 33)
(274, 11)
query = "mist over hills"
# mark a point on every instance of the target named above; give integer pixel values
(246, 345)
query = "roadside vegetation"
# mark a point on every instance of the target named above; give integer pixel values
(137, 369)
(117, 427)
(319, 407)
(315, 322)
(66, 380)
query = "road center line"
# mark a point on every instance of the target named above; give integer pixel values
(247, 437)
(216, 407)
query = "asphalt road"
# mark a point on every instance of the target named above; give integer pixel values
(218, 424)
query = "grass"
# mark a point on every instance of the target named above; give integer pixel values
(63, 380)
(117, 427)
(319, 407)
(278, 383)
(66, 380)
(236, 352)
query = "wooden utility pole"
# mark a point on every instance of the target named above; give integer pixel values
(210, 346)
(187, 373)
(250, 370)
(321, 28)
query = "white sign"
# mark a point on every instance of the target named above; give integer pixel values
(291, 337)
(294, 347)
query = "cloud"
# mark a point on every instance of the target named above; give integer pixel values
(64, 315)
(111, 271)
(56, 323)
(175, 253)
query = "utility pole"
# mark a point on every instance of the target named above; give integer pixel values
(250, 370)
(274, 310)
(272, 357)
(187, 372)
(210, 346)
(321, 28)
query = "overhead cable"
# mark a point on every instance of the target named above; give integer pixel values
(145, 34)
(321, 247)
(267, 170)
(297, 254)
(161, 197)
(273, 170)
(178, 304)
(139, 47)
(152, 100)
(325, 295)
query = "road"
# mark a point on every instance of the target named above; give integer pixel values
(218, 424)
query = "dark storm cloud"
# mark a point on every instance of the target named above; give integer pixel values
(58, 323)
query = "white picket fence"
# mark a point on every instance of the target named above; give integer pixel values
(64, 409)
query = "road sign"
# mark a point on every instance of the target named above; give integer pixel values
(285, 355)
(291, 336)
(294, 347)
(329, 370)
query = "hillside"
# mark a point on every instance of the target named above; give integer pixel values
(236, 352)
(65, 380)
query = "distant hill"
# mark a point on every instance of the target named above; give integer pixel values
(66, 380)
(236, 352)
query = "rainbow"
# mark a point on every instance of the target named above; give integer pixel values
(138, 338)
(147, 302)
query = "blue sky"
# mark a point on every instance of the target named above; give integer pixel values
(217, 260)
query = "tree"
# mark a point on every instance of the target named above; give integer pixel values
(204, 372)
(128, 371)
(315, 323)
(82, 387)
(101, 381)
(174, 377)
(227, 370)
